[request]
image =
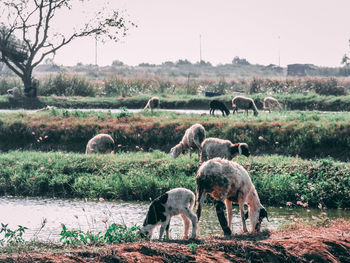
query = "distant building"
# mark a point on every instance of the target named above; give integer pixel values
(299, 70)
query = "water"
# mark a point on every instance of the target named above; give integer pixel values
(96, 216)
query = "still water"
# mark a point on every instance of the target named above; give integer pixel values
(96, 216)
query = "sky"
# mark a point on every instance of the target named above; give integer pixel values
(264, 32)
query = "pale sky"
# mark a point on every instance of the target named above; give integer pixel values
(262, 31)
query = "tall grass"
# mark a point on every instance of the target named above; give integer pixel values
(140, 176)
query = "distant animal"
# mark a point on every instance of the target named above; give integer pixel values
(174, 202)
(218, 105)
(14, 94)
(191, 141)
(101, 143)
(229, 182)
(215, 147)
(153, 103)
(241, 102)
(271, 103)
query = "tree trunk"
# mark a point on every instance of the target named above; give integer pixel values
(30, 84)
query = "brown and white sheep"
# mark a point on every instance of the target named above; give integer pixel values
(241, 102)
(215, 147)
(229, 182)
(174, 202)
(191, 140)
(271, 103)
(101, 143)
(153, 103)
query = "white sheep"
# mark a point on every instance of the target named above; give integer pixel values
(191, 140)
(241, 102)
(229, 182)
(174, 202)
(215, 147)
(271, 103)
(153, 103)
(101, 143)
(14, 93)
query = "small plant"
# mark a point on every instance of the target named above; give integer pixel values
(121, 234)
(115, 234)
(12, 236)
(193, 247)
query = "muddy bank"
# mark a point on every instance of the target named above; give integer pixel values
(326, 244)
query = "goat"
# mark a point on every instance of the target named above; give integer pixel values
(218, 105)
(241, 102)
(192, 140)
(214, 147)
(101, 143)
(176, 201)
(153, 103)
(271, 103)
(228, 182)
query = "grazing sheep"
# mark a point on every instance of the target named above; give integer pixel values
(174, 202)
(241, 102)
(101, 143)
(271, 103)
(214, 147)
(218, 105)
(153, 103)
(14, 94)
(229, 182)
(192, 140)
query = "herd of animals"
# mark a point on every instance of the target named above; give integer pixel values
(220, 177)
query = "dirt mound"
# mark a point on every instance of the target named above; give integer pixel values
(326, 244)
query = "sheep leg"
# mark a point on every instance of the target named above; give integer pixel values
(243, 217)
(228, 204)
(188, 214)
(220, 212)
(187, 225)
(164, 226)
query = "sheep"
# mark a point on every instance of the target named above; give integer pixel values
(176, 201)
(14, 94)
(227, 181)
(271, 103)
(192, 140)
(101, 143)
(214, 147)
(241, 102)
(218, 105)
(153, 103)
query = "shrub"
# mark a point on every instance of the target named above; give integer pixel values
(67, 85)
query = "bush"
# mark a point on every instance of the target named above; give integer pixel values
(66, 85)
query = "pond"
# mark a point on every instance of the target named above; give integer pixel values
(96, 216)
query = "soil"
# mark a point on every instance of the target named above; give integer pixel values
(324, 244)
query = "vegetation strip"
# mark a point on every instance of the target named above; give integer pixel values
(306, 134)
(279, 180)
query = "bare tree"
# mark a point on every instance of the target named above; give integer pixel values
(28, 34)
(346, 58)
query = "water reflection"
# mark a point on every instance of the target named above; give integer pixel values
(97, 216)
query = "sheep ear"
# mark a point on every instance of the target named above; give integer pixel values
(263, 214)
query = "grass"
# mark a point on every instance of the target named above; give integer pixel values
(307, 134)
(279, 180)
